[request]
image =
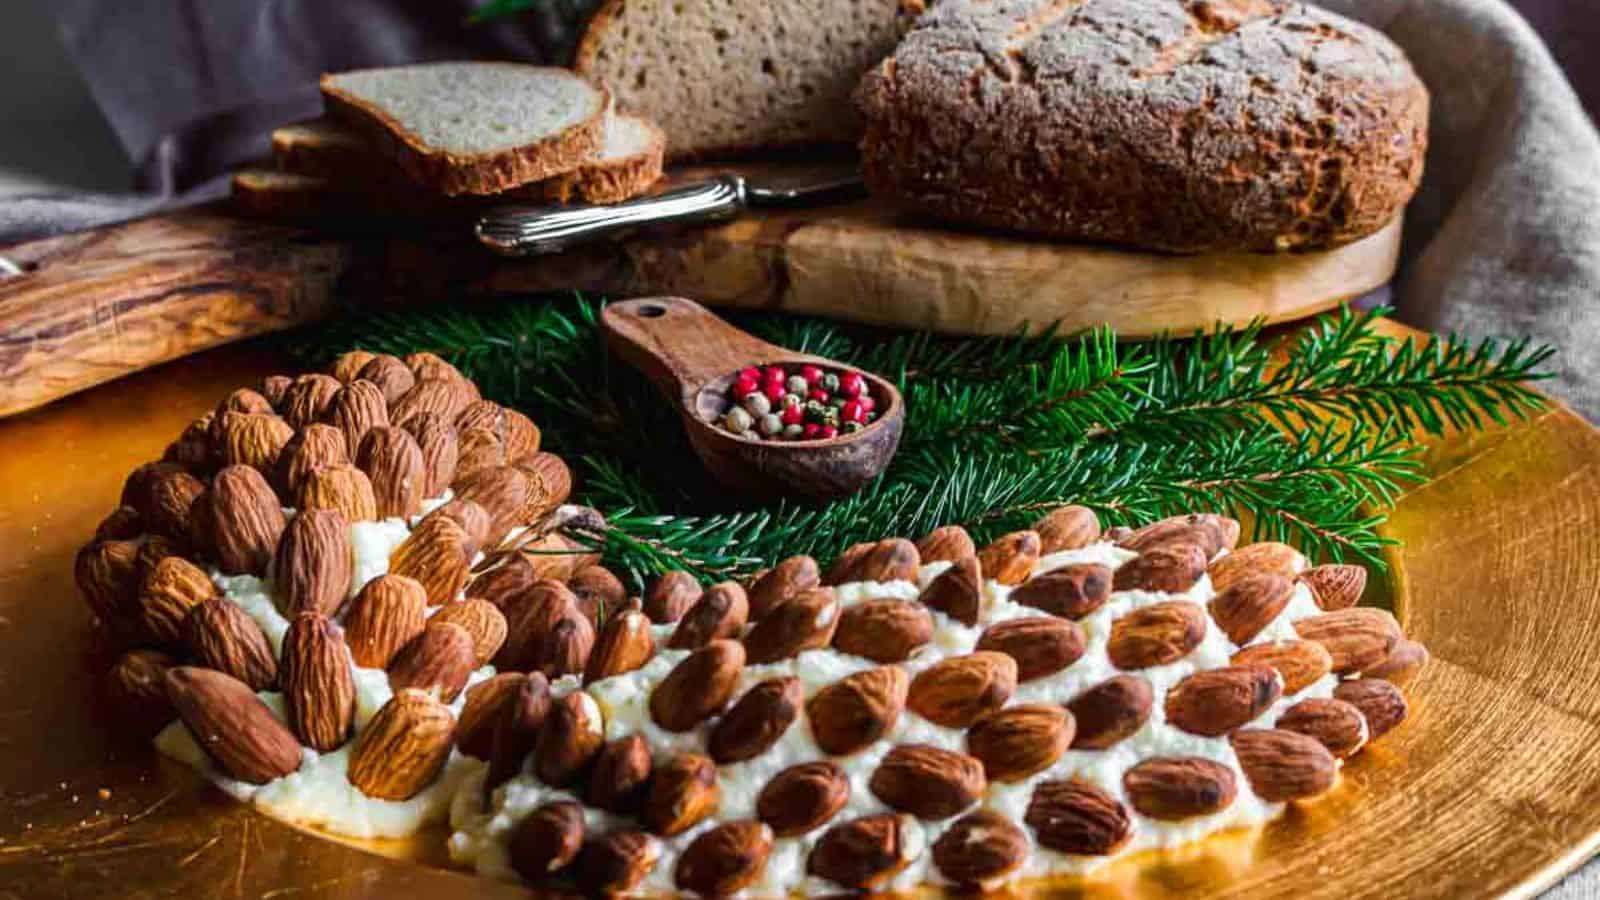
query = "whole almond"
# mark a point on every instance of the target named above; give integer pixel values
(1281, 765)
(957, 591)
(623, 645)
(947, 544)
(928, 782)
(313, 447)
(137, 487)
(1041, 645)
(439, 660)
(1168, 568)
(720, 613)
(1210, 532)
(309, 399)
(1022, 740)
(513, 429)
(219, 635)
(1335, 586)
(891, 559)
(724, 860)
(314, 563)
(485, 703)
(444, 396)
(357, 409)
(621, 776)
(393, 463)
(403, 748)
(864, 853)
(107, 574)
(550, 480)
(387, 613)
(756, 721)
(1249, 604)
(1381, 703)
(241, 520)
(547, 841)
(1110, 711)
(1265, 558)
(478, 449)
(246, 401)
(232, 725)
(168, 592)
(510, 577)
(440, 446)
(472, 518)
(683, 792)
(1299, 663)
(480, 619)
(392, 376)
(1067, 528)
(1076, 817)
(806, 621)
(1010, 558)
(569, 741)
(1404, 661)
(505, 493)
(136, 693)
(1175, 788)
(275, 388)
(171, 498)
(599, 592)
(857, 710)
(1214, 702)
(884, 631)
(701, 684)
(614, 864)
(670, 596)
(788, 578)
(319, 693)
(1356, 638)
(435, 555)
(432, 365)
(194, 449)
(1155, 635)
(1071, 592)
(347, 367)
(803, 798)
(518, 724)
(531, 615)
(843, 568)
(1334, 723)
(251, 439)
(343, 488)
(566, 646)
(121, 524)
(980, 849)
(155, 548)
(557, 555)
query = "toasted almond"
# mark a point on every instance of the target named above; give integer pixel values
(107, 574)
(698, 686)
(1172, 789)
(566, 647)
(121, 524)
(756, 721)
(357, 409)
(314, 563)
(393, 463)
(844, 566)
(311, 448)
(1281, 765)
(254, 440)
(865, 853)
(550, 478)
(721, 612)
(1168, 568)
(1022, 740)
(1404, 661)
(1381, 703)
(928, 782)
(136, 693)
(547, 841)
(168, 592)
(1010, 558)
(1041, 645)
(1334, 723)
(1214, 702)
(512, 429)
(506, 493)
(386, 615)
(683, 792)
(480, 619)
(947, 544)
(517, 725)
(241, 519)
(957, 591)
(403, 748)
(275, 388)
(347, 367)
(1067, 528)
(955, 692)
(309, 399)
(671, 596)
(138, 486)
(1356, 638)
(806, 621)
(1299, 663)
(510, 577)
(1249, 604)
(219, 635)
(232, 725)
(600, 593)
(485, 702)
(569, 741)
(624, 644)
(531, 615)
(155, 548)
(885, 631)
(446, 397)
(246, 401)
(857, 710)
(194, 449)
(803, 798)
(724, 860)
(472, 518)
(439, 660)
(441, 449)
(614, 864)
(788, 578)
(1078, 818)
(343, 488)
(1210, 532)
(478, 449)
(170, 500)
(1335, 586)
(980, 849)
(1110, 711)
(319, 693)
(392, 377)
(435, 555)
(1155, 635)
(621, 776)
(1071, 592)
(1265, 558)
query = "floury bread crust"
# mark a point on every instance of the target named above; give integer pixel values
(1180, 125)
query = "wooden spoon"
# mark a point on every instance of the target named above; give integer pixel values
(694, 357)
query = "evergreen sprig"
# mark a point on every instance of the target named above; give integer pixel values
(1308, 438)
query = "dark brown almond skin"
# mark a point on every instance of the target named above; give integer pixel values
(219, 635)
(980, 848)
(318, 689)
(1169, 568)
(614, 864)
(885, 630)
(957, 591)
(623, 645)
(1262, 558)
(485, 703)
(242, 518)
(928, 782)
(1214, 702)
(387, 614)
(516, 728)
(1021, 740)
(806, 621)
(683, 792)
(1176, 788)
(1067, 528)
(393, 463)
(568, 741)
(621, 776)
(547, 841)
(858, 709)
(1041, 645)
(136, 693)
(599, 592)
(1155, 635)
(803, 798)
(1110, 711)
(474, 521)
(792, 576)
(1078, 818)
(698, 686)
(314, 564)
(843, 569)
(861, 854)
(957, 691)
(891, 559)
(1334, 723)
(503, 584)
(532, 612)
(217, 709)
(720, 613)
(1380, 702)
(1070, 592)
(1406, 658)
(566, 646)
(672, 595)
(725, 859)
(1248, 605)
(1281, 765)
(946, 544)
(1299, 663)
(1009, 558)
(1335, 586)
(440, 659)
(1356, 638)
(1211, 532)
(756, 721)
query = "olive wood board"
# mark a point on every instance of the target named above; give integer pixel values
(94, 306)
(1486, 790)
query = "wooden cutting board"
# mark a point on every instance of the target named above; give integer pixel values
(1487, 790)
(98, 305)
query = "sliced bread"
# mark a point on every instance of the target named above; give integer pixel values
(473, 127)
(729, 76)
(324, 148)
(627, 165)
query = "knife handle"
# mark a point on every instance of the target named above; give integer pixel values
(535, 230)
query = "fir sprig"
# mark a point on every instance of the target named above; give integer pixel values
(1308, 438)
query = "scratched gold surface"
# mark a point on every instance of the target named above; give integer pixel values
(1488, 789)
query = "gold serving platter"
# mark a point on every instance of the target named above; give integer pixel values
(1487, 789)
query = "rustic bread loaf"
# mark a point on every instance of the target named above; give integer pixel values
(1182, 125)
(728, 76)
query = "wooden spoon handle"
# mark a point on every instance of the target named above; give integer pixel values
(680, 345)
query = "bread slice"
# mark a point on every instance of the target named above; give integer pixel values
(723, 77)
(473, 127)
(265, 194)
(323, 148)
(628, 164)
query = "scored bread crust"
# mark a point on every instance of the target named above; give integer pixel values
(1228, 125)
(473, 173)
(610, 179)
